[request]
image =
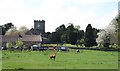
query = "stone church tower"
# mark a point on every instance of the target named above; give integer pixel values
(39, 25)
(39, 28)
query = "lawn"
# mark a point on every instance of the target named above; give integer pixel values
(0, 60)
(87, 59)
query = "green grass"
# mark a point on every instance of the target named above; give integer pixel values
(69, 45)
(65, 60)
(0, 60)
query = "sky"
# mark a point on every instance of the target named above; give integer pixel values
(98, 13)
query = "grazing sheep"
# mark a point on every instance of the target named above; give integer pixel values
(53, 56)
(77, 50)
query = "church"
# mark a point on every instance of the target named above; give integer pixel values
(33, 36)
(39, 28)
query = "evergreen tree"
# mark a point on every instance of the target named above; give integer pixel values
(55, 37)
(90, 37)
(6, 27)
(69, 34)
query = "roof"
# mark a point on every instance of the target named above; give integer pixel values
(33, 32)
(13, 38)
(31, 38)
(9, 38)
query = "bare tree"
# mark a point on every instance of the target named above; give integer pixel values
(12, 31)
(23, 29)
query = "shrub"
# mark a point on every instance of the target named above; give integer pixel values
(9, 45)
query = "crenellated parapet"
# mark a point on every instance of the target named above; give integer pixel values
(39, 25)
(39, 20)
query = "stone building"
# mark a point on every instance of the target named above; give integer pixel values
(27, 39)
(40, 25)
(39, 28)
(33, 36)
(0, 36)
(0, 30)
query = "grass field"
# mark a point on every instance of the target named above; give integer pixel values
(0, 60)
(87, 59)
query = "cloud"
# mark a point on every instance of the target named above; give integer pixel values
(86, 2)
(14, 11)
(50, 11)
(54, 12)
(105, 20)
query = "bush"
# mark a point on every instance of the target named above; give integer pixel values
(9, 45)
(113, 46)
(19, 43)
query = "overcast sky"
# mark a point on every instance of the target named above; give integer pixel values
(56, 12)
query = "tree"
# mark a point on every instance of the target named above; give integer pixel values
(12, 31)
(104, 38)
(109, 35)
(6, 27)
(90, 38)
(118, 30)
(9, 45)
(80, 42)
(69, 34)
(107, 41)
(64, 38)
(19, 44)
(71, 28)
(95, 31)
(101, 37)
(77, 27)
(55, 37)
(61, 29)
(23, 29)
(3, 30)
(47, 35)
(116, 23)
(73, 38)
(61, 32)
(80, 34)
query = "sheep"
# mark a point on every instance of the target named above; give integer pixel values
(77, 50)
(53, 56)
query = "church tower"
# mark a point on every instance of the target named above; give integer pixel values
(39, 25)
